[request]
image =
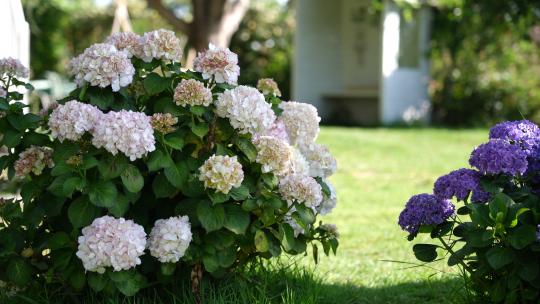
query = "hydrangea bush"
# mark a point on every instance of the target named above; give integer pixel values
(148, 172)
(486, 218)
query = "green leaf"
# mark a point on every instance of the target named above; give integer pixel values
(226, 257)
(57, 186)
(306, 215)
(236, 219)
(112, 167)
(103, 194)
(241, 193)
(59, 240)
(499, 257)
(522, 236)
(288, 240)
(97, 281)
(480, 214)
(261, 241)
(167, 268)
(246, 146)
(425, 252)
(73, 183)
(218, 197)
(197, 110)
(200, 129)
(120, 207)
(132, 179)
(103, 99)
(211, 217)
(159, 160)
(177, 174)
(81, 212)
(11, 138)
(175, 141)
(155, 84)
(131, 286)
(499, 204)
(161, 187)
(210, 262)
(77, 279)
(19, 271)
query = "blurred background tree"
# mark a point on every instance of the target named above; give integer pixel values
(485, 61)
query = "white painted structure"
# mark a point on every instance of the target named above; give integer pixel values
(361, 68)
(14, 32)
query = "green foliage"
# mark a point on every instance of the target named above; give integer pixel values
(484, 57)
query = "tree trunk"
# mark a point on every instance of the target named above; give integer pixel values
(214, 21)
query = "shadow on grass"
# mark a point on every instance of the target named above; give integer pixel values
(291, 284)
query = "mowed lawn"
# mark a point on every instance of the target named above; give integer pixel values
(378, 170)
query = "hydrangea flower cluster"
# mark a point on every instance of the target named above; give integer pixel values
(164, 122)
(301, 121)
(34, 160)
(424, 209)
(320, 160)
(299, 164)
(331, 229)
(302, 189)
(11, 67)
(498, 156)
(111, 242)
(268, 86)
(219, 63)
(193, 93)
(160, 44)
(273, 154)
(170, 238)
(102, 65)
(460, 184)
(521, 132)
(329, 203)
(246, 110)
(221, 173)
(278, 130)
(128, 41)
(126, 131)
(72, 119)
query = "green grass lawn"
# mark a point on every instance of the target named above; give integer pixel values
(379, 169)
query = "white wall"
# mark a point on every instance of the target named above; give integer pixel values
(317, 51)
(14, 32)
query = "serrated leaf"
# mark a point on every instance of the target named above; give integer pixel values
(211, 217)
(261, 241)
(499, 257)
(81, 212)
(236, 219)
(246, 146)
(199, 129)
(425, 252)
(103, 193)
(132, 178)
(155, 84)
(19, 271)
(175, 141)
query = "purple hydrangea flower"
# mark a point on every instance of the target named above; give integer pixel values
(524, 133)
(424, 209)
(499, 156)
(460, 183)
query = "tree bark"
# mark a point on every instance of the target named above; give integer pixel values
(214, 21)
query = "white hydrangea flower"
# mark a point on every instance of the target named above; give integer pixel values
(170, 238)
(298, 163)
(161, 44)
(218, 62)
(331, 229)
(111, 242)
(278, 130)
(329, 203)
(126, 131)
(102, 65)
(72, 119)
(13, 67)
(273, 154)
(301, 121)
(268, 86)
(246, 110)
(3, 93)
(192, 92)
(34, 159)
(321, 162)
(128, 41)
(221, 173)
(301, 189)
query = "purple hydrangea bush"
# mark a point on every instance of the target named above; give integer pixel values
(486, 219)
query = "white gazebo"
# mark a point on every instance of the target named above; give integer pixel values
(361, 68)
(15, 32)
